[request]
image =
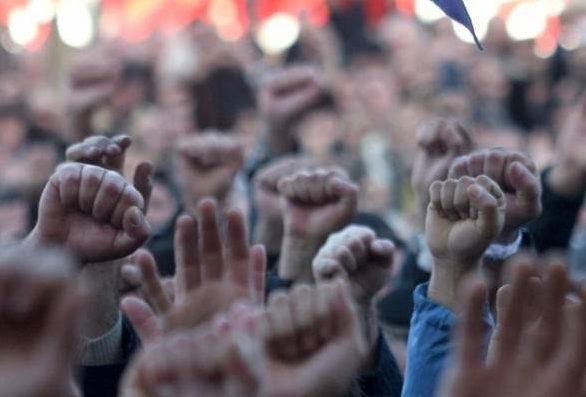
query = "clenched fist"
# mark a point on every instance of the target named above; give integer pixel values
(463, 218)
(517, 177)
(93, 212)
(357, 254)
(206, 166)
(317, 203)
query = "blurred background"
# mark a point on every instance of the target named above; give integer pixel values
(181, 67)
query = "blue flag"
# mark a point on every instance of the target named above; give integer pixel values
(456, 9)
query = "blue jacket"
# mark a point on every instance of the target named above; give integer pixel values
(429, 344)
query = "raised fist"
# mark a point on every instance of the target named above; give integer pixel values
(463, 218)
(288, 92)
(517, 177)
(314, 343)
(39, 311)
(91, 211)
(206, 167)
(110, 153)
(92, 80)
(440, 141)
(356, 254)
(317, 203)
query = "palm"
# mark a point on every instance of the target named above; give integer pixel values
(459, 239)
(316, 220)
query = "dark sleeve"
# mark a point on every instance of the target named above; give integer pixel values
(385, 379)
(103, 380)
(553, 229)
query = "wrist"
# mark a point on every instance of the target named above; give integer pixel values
(297, 254)
(269, 232)
(446, 281)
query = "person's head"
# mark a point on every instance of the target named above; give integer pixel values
(13, 127)
(14, 217)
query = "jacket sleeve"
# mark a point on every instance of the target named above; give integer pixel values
(553, 229)
(429, 343)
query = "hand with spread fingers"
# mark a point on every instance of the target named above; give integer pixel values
(439, 141)
(540, 359)
(314, 342)
(221, 358)
(110, 153)
(464, 218)
(206, 166)
(517, 176)
(39, 311)
(91, 211)
(208, 269)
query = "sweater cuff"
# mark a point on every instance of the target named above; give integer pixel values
(103, 350)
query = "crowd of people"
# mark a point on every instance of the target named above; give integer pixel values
(382, 210)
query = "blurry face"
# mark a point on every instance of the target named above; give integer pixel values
(162, 206)
(318, 132)
(13, 221)
(13, 133)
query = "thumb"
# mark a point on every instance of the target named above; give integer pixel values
(142, 318)
(526, 185)
(490, 220)
(135, 231)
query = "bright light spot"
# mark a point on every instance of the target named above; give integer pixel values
(543, 53)
(571, 39)
(22, 26)
(279, 32)
(74, 23)
(426, 11)
(222, 12)
(527, 21)
(42, 10)
(8, 44)
(481, 13)
(554, 7)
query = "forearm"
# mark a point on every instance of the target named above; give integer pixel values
(270, 234)
(101, 281)
(296, 257)
(446, 281)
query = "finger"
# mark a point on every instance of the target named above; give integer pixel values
(153, 287)
(83, 153)
(490, 220)
(142, 318)
(435, 197)
(259, 264)
(447, 199)
(459, 168)
(143, 182)
(471, 330)
(494, 165)
(548, 333)
(135, 231)
(512, 315)
(526, 185)
(69, 184)
(344, 189)
(303, 317)
(210, 242)
(237, 250)
(383, 250)
(187, 260)
(475, 164)
(130, 197)
(346, 259)
(571, 361)
(91, 180)
(109, 193)
(461, 201)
